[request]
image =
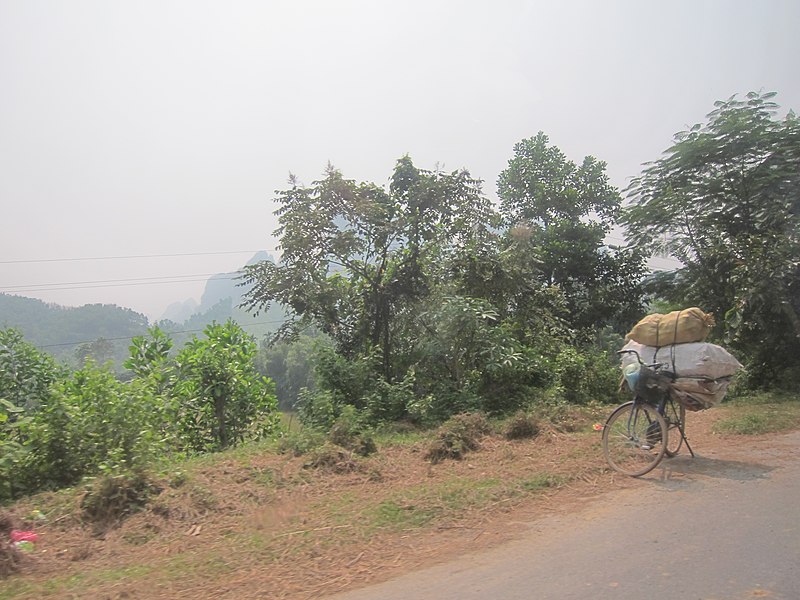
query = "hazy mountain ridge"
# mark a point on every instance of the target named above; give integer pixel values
(104, 330)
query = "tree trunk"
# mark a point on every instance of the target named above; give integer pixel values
(219, 412)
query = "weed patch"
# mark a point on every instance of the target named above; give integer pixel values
(402, 516)
(112, 499)
(333, 459)
(457, 436)
(522, 426)
(766, 421)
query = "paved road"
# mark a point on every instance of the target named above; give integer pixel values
(717, 527)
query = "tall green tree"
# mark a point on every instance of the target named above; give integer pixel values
(724, 199)
(356, 257)
(562, 212)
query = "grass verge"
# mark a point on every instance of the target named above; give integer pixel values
(756, 415)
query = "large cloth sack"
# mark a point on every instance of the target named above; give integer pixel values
(698, 359)
(678, 327)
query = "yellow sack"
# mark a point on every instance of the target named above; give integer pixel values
(678, 327)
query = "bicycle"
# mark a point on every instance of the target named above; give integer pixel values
(639, 433)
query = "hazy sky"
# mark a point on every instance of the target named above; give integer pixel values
(137, 127)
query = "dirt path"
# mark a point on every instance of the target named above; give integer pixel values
(724, 525)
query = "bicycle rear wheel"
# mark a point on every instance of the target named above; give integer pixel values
(634, 439)
(676, 422)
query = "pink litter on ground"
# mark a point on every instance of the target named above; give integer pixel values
(23, 536)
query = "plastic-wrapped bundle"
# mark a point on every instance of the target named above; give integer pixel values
(702, 371)
(698, 359)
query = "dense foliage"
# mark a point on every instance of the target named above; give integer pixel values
(567, 210)
(421, 300)
(98, 326)
(434, 303)
(57, 427)
(725, 200)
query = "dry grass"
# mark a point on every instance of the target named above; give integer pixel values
(264, 525)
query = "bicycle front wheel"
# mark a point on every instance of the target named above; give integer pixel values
(634, 439)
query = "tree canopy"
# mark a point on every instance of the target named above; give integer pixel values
(724, 199)
(567, 210)
(355, 256)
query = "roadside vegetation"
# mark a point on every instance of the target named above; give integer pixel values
(762, 413)
(426, 329)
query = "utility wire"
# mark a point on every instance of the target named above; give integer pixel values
(89, 287)
(130, 337)
(87, 258)
(59, 286)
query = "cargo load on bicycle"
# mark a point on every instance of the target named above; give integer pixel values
(700, 372)
(678, 327)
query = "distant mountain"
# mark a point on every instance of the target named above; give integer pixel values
(178, 312)
(103, 331)
(70, 333)
(220, 301)
(221, 287)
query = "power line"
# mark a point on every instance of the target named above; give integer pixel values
(130, 337)
(89, 287)
(87, 258)
(33, 287)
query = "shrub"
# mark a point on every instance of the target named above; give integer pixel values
(318, 408)
(300, 442)
(349, 432)
(112, 499)
(522, 426)
(222, 400)
(91, 423)
(587, 375)
(457, 436)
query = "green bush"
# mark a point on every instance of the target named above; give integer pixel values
(318, 408)
(91, 423)
(587, 375)
(350, 432)
(221, 399)
(25, 373)
(300, 442)
(387, 402)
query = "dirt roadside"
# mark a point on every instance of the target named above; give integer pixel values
(264, 527)
(711, 527)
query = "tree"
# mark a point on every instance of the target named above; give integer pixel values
(562, 212)
(357, 257)
(290, 366)
(725, 200)
(220, 396)
(25, 373)
(100, 351)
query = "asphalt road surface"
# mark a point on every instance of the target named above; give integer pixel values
(721, 526)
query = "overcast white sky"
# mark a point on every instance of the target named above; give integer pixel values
(141, 127)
